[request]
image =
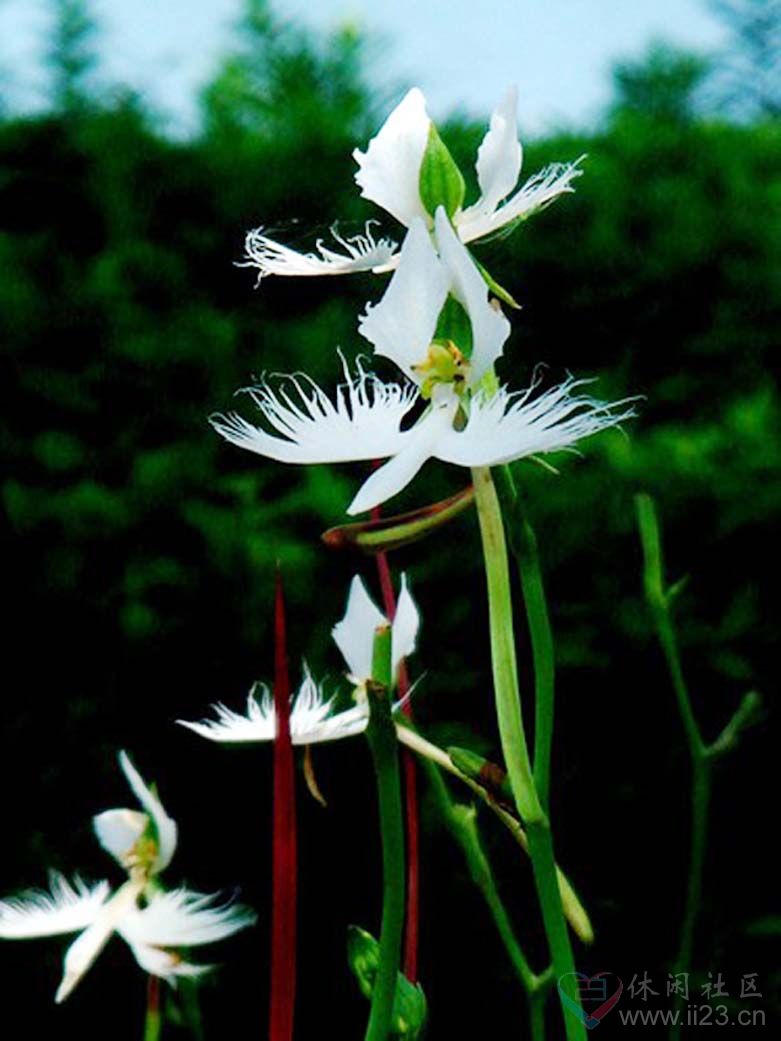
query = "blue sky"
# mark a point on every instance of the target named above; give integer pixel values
(461, 52)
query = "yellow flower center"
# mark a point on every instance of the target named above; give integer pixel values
(444, 363)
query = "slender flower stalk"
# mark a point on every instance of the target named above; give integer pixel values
(154, 1020)
(523, 543)
(574, 911)
(382, 741)
(702, 755)
(411, 809)
(658, 601)
(513, 738)
(284, 869)
(462, 824)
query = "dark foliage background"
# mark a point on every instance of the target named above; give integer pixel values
(138, 551)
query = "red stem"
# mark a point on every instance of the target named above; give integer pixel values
(284, 880)
(409, 770)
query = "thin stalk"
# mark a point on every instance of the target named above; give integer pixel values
(411, 808)
(284, 866)
(523, 542)
(513, 737)
(460, 821)
(153, 1023)
(658, 600)
(574, 911)
(537, 1002)
(381, 734)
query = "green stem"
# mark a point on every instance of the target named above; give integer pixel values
(505, 669)
(461, 823)
(513, 738)
(523, 542)
(537, 1015)
(154, 1023)
(382, 742)
(700, 755)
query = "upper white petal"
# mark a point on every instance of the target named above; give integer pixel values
(81, 954)
(421, 444)
(363, 422)
(490, 328)
(406, 623)
(511, 426)
(538, 192)
(66, 908)
(402, 325)
(182, 918)
(165, 826)
(389, 169)
(358, 253)
(118, 831)
(498, 159)
(354, 634)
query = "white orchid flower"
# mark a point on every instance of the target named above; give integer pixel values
(464, 423)
(389, 175)
(150, 920)
(313, 716)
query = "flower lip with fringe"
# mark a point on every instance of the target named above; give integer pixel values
(150, 920)
(313, 718)
(466, 422)
(389, 175)
(498, 428)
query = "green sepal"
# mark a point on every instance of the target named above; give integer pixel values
(498, 290)
(454, 326)
(441, 182)
(410, 1009)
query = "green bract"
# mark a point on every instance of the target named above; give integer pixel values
(441, 182)
(410, 1008)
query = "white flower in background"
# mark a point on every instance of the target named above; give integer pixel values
(313, 717)
(150, 920)
(464, 422)
(389, 175)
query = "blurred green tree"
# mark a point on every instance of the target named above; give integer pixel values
(73, 54)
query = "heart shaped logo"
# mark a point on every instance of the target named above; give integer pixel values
(593, 1000)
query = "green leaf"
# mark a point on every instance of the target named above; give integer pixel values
(410, 1009)
(441, 182)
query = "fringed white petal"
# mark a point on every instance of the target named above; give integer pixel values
(118, 832)
(164, 825)
(538, 192)
(402, 325)
(182, 918)
(499, 159)
(406, 624)
(490, 328)
(389, 169)
(510, 426)
(312, 719)
(87, 946)
(363, 422)
(358, 253)
(354, 634)
(421, 444)
(66, 908)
